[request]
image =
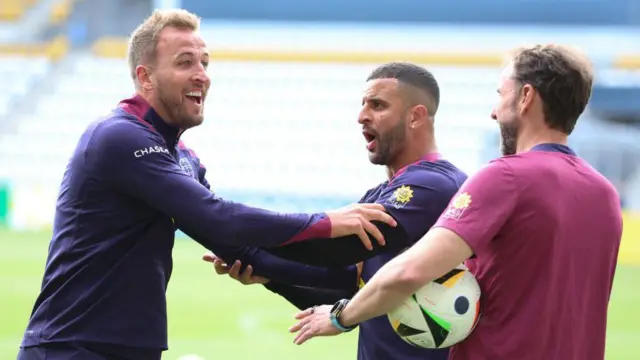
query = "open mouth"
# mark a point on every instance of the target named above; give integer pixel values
(195, 96)
(370, 138)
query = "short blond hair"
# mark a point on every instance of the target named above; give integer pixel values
(144, 39)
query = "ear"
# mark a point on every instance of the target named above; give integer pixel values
(419, 113)
(143, 74)
(527, 94)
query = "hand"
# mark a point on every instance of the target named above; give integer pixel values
(313, 322)
(356, 219)
(245, 278)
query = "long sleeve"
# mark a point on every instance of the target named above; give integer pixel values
(286, 271)
(304, 298)
(415, 199)
(276, 269)
(154, 177)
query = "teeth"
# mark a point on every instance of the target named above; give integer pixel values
(195, 93)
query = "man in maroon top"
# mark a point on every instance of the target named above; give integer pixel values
(538, 227)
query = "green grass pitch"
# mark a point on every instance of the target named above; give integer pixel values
(214, 317)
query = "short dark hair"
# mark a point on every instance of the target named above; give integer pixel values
(562, 77)
(414, 75)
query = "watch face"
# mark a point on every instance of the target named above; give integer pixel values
(337, 307)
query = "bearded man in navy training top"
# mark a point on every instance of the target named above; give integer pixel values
(397, 115)
(124, 194)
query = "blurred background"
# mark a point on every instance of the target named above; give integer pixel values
(280, 129)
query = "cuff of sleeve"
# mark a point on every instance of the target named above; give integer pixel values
(320, 229)
(459, 233)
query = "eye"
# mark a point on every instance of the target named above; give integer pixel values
(205, 64)
(377, 105)
(185, 63)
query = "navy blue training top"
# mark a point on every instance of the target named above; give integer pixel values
(431, 185)
(415, 197)
(129, 185)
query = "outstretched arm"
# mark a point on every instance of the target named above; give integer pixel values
(299, 296)
(303, 298)
(285, 272)
(158, 181)
(414, 199)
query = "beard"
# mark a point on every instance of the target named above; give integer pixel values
(509, 132)
(176, 109)
(509, 138)
(388, 144)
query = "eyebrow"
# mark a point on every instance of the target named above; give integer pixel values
(373, 98)
(191, 53)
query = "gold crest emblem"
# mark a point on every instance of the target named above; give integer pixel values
(462, 201)
(403, 194)
(401, 197)
(458, 206)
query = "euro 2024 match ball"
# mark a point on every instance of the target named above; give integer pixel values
(440, 314)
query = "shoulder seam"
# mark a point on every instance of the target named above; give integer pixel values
(444, 174)
(451, 180)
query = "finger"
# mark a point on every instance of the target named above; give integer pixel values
(220, 268)
(209, 257)
(304, 313)
(299, 325)
(234, 272)
(359, 268)
(246, 275)
(372, 206)
(303, 336)
(364, 237)
(374, 231)
(376, 215)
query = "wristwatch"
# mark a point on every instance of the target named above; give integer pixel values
(334, 315)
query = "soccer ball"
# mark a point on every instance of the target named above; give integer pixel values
(440, 314)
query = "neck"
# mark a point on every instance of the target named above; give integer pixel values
(156, 107)
(546, 136)
(410, 156)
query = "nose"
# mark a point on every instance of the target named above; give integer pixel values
(201, 77)
(493, 115)
(363, 117)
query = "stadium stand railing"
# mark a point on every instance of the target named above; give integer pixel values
(14, 10)
(54, 49)
(627, 62)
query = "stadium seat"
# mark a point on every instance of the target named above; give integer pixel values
(19, 74)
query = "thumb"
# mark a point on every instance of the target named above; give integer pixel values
(209, 257)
